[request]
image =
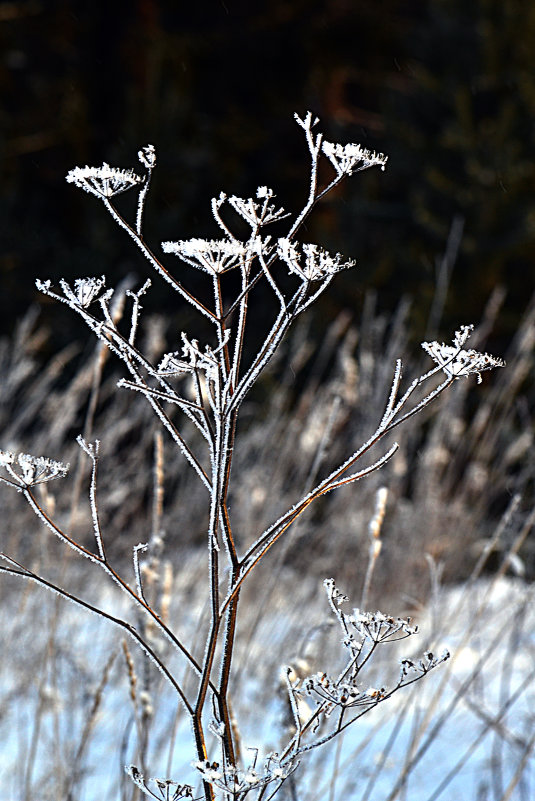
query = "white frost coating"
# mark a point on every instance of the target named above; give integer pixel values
(215, 256)
(393, 395)
(55, 530)
(147, 156)
(86, 290)
(27, 470)
(137, 549)
(92, 449)
(136, 237)
(136, 308)
(457, 362)
(350, 158)
(105, 181)
(317, 262)
(258, 214)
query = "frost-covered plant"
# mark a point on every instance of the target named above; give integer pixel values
(203, 386)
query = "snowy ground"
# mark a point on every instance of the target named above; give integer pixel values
(465, 732)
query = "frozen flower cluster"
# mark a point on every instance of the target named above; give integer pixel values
(86, 290)
(103, 182)
(457, 362)
(318, 263)
(27, 471)
(257, 214)
(214, 256)
(341, 694)
(167, 790)
(379, 627)
(239, 783)
(147, 156)
(375, 627)
(191, 358)
(350, 158)
(82, 295)
(424, 665)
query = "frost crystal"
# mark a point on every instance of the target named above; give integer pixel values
(457, 362)
(347, 159)
(318, 264)
(105, 181)
(214, 256)
(33, 469)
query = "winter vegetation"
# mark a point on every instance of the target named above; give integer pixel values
(198, 521)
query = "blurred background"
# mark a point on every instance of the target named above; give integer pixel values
(445, 87)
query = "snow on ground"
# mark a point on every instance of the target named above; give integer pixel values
(465, 732)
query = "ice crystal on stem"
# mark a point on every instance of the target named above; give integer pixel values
(105, 181)
(457, 362)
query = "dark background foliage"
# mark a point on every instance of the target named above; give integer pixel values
(445, 87)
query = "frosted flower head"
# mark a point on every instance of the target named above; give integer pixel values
(86, 290)
(167, 789)
(214, 256)
(257, 214)
(172, 364)
(147, 156)
(103, 182)
(378, 627)
(27, 471)
(347, 159)
(238, 783)
(6, 458)
(422, 666)
(456, 362)
(192, 358)
(345, 694)
(312, 263)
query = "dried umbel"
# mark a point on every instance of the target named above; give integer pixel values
(105, 181)
(215, 256)
(456, 362)
(340, 700)
(27, 471)
(347, 159)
